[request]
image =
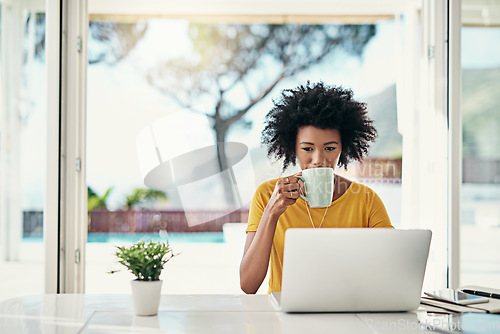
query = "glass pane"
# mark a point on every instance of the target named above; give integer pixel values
(480, 220)
(149, 93)
(22, 151)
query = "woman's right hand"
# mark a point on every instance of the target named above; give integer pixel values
(258, 245)
(285, 194)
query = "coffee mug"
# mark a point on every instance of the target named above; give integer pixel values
(318, 184)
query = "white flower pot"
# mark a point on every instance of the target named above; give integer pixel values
(146, 296)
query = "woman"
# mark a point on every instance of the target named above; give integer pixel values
(314, 126)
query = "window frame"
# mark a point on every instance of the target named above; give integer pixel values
(435, 32)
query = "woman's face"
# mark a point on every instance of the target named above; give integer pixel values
(317, 147)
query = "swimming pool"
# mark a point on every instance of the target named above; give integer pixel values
(197, 237)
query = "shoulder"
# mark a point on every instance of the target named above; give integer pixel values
(266, 185)
(260, 199)
(366, 194)
(360, 186)
(362, 190)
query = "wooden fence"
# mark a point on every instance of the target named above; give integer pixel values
(480, 170)
(375, 170)
(146, 221)
(33, 222)
(135, 221)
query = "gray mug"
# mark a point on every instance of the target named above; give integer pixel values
(318, 184)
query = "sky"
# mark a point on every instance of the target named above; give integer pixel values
(480, 47)
(141, 105)
(121, 103)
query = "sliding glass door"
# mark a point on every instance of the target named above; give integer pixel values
(23, 120)
(149, 91)
(480, 219)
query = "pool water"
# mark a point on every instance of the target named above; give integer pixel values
(213, 237)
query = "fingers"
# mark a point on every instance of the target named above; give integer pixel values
(289, 187)
(291, 194)
(290, 180)
(285, 194)
(301, 183)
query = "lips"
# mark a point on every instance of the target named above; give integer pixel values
(322, 166)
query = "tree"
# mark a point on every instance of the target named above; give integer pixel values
(248, 60)
(141, 197)
(109, 42)
(229, 60)
(94, 201)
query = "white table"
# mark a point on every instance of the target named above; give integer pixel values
(79, 313)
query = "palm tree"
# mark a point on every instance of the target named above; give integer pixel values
(95, 201)
(141, 198)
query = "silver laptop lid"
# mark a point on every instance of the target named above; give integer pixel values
(353, 269)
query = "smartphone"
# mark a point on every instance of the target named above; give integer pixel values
(457, 297)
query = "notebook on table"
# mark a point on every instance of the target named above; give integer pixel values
(491, 306)
(353, 270)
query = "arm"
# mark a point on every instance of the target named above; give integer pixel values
(258, 244)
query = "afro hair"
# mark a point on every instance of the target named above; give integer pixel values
(323, 107)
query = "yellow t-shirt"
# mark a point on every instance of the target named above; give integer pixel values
(359, 206)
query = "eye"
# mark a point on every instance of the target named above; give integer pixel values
(330, 149)
(307, 149)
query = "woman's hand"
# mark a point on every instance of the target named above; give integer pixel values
(255, 261)
(285, 194)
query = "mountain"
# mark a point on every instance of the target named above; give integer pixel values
(480, 107)
(481, 113)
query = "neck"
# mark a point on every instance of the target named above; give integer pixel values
(340, 186)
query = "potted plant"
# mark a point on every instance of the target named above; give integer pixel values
(145, 261)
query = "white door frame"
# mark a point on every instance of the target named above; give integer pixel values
(65, 214)
(455, 141)
(11, 220)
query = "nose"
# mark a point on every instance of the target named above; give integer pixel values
(319, 158)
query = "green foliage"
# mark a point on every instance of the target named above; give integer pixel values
(110, 42)
(145, 260)
(142, 197)
(95, 201)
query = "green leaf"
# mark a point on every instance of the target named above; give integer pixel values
(145, 260)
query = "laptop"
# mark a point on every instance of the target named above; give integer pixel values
(353, 269)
